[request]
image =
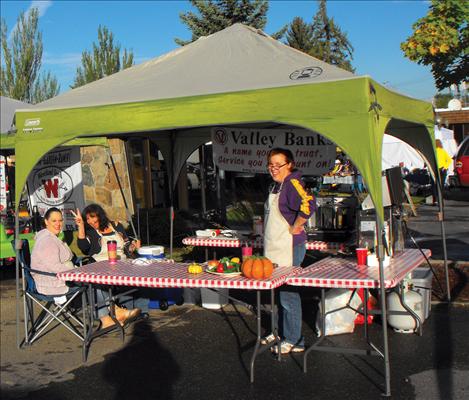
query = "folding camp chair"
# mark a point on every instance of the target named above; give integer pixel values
(51, 308)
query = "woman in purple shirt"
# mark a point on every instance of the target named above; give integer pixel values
(286, 211)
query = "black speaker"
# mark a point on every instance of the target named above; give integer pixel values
(396, 185)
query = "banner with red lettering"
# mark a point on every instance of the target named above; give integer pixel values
(56, 181)
(245, 150)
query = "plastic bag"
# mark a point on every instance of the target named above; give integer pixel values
(372, 305)
(343, 320)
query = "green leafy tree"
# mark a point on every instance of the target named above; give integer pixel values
(21, 62)
(441, 40)
(330, 44)
(45, 88)
(441, 100)
(213, 16)
(300, 35)
(104, 60)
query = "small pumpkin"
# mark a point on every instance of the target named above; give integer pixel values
(194, 268)
(257, 267)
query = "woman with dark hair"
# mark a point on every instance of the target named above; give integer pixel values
(286, 211)
(94, 231)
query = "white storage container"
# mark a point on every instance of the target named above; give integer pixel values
(192, 296)
(421, 279)
(151, 252)
(214, 300)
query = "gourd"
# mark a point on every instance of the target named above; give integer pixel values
(257, 267)
(194, 268)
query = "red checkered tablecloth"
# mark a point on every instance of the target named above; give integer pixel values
(257, 243)
(164, 274)
(344, 273)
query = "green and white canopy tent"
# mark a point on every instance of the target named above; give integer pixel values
(238, 76)
(235, 76)
(8, 108)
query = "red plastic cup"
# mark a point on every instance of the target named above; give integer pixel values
(112, 251)
(362, 253)
(246, 252)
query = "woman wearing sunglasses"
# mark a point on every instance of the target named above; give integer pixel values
(287, 209)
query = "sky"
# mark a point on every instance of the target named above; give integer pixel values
(148, 28)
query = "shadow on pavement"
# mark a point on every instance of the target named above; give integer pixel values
(144, 360)
(143, 369)
(444, 352)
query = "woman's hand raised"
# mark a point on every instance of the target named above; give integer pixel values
(80, 223)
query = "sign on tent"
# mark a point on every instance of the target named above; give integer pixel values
(246, 150)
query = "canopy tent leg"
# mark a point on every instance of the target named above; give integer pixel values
(171, 194)
(443, 237)
(127, 211)
(203, 180)
(17, 277)
(382, 292)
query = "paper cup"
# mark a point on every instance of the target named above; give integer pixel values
(362, 253)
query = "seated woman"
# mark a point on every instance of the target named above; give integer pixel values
(94, 231)
(50, 254)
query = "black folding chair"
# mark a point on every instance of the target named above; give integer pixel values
(50, 309)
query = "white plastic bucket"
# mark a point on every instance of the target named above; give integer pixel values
(214, 300)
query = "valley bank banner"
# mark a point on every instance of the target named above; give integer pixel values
(245, 150)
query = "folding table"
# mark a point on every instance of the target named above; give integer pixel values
(256, 243)
(335, 272)
(175, 275)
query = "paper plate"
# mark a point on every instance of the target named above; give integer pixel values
(223, 273)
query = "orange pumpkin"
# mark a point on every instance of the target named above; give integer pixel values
(256, 267)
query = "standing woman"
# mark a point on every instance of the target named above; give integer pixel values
(286, 211)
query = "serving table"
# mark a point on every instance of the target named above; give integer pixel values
(256, 243)
(174, 275)
(346, 274)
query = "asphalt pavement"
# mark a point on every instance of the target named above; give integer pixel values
(426, 228)
(191, 353)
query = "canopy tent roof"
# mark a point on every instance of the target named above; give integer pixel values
(396, 151)
(7, 108)
(7, 114)
(7, 140)
(238, 76)
(234, 59)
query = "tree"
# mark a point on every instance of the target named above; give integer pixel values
(441, 40)
(104, 60)
(330, 44)
(300, 35)
(213, 16)
(19, 74)
(441, 100)
(45, 88)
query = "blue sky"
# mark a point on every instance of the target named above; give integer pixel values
(375, 29)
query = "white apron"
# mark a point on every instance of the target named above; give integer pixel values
(102, 255)
(278, 241)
